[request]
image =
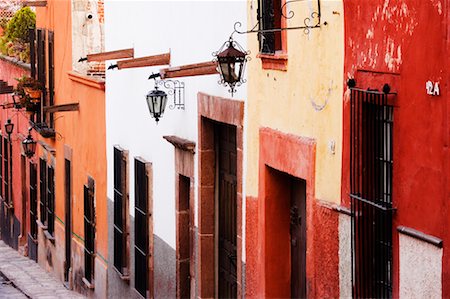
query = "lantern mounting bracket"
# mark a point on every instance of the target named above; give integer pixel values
(310, 22)
(175, 89)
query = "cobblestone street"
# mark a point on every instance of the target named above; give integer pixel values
(8, 290)
(23, 278)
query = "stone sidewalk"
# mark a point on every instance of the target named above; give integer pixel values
(29, 277)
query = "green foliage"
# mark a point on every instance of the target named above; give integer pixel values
(17, 28)
(14, 42)
(4, 45)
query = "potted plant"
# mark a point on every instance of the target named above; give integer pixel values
(29, 92)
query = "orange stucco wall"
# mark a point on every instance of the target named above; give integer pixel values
(83, 131)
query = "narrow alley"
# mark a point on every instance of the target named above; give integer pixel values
(21, 277)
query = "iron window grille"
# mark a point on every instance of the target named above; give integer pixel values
(120, 211)
(42, 190)
(141, 228)
(50, 200)
(269, 14)
(371, 162)
(33, 200)
(89, 230)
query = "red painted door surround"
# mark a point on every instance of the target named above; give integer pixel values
(268, 266)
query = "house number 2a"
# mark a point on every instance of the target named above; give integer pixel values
(432, 88)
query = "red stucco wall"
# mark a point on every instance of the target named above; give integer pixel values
(405, 43)
(8, 72)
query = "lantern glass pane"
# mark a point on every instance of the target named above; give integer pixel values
(228, 71)
(151, 104)
(163, 104)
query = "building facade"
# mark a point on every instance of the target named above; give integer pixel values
(325, 175)
(161, 174)
(72, 234)
(293, 246)
(395, 158)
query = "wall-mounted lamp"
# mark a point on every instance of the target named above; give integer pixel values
(9, 127)
(231, 59)
(29, 145)
(156, 101)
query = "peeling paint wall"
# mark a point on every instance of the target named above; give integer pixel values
(305, 100)
(87, 32)
(405, 43)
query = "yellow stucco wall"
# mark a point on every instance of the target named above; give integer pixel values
(305, 100)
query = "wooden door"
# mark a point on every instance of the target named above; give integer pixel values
(298, 238)
(227, 193)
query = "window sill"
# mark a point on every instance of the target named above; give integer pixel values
(44, 130)
(124, 277)
(49, 237)
(87, 80)
(88, 284)
(277, 61)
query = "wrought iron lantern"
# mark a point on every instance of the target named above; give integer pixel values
(9, 127)
(29, 146)
(231, 59)
(156, 101)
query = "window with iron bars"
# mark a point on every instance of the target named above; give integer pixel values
(50, 200)
(371, 161)
(89, 230)
(269, 15)
(43, 190)
(142, 233)
(121, 251)
(33, 200)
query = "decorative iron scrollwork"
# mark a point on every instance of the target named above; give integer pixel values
(174, 89)
(310, 22)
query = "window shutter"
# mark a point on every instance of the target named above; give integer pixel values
(33, 200)
(89, 229)
(32, 41)
(42, 190)
(50, 200)
(141, 227)
(51, 73)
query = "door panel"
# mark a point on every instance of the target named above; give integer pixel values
(298, 238)
(227, 194)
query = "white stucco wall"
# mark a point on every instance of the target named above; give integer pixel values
(420, 269)
(191, 30)
(345, 257)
